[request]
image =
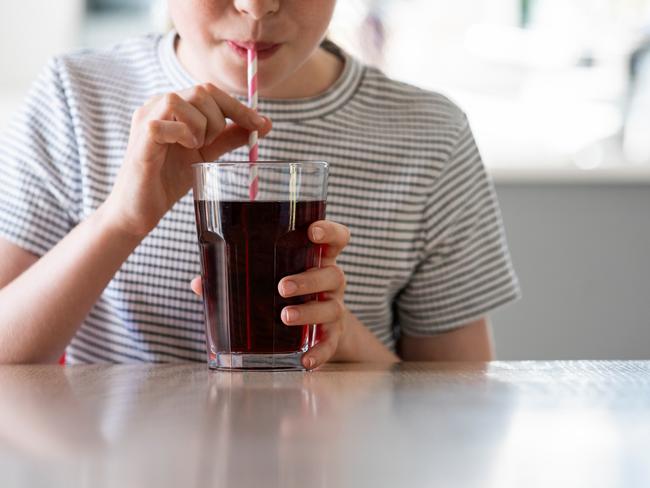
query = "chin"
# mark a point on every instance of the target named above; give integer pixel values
(238, 83)
(269, 75)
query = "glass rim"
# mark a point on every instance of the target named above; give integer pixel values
(282, 163)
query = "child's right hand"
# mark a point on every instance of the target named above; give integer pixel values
(168, 134)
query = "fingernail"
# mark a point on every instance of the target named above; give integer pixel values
(290, 314)
(317, 233)
(289, 287)
(310, 363)
(196, 142)
(259, 120)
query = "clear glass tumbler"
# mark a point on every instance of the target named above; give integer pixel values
(252, 221)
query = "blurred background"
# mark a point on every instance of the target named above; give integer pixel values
(558, 94)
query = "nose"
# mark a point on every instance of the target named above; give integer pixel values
(257, 9)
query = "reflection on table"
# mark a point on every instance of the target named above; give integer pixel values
(484, 424)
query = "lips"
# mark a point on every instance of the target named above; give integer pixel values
(264, 49)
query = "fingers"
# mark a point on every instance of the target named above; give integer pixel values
(175, 108)
(316, 280)
(236, 111)
(328, 314)
(204, 109)
(231, 138)
(334, 237)
(200, 98)
(168, 132)
(197, 286)
(313, 312)
(326, 348)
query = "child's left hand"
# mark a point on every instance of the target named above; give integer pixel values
(328, 282)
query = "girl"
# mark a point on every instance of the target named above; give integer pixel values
(97, 237)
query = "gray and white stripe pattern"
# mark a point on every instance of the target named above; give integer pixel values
(427, 254)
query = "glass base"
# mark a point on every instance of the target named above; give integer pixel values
(236, 361)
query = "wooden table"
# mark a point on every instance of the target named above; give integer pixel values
(502, 424)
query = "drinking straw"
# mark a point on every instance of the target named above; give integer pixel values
(254, 183)
(252, 138)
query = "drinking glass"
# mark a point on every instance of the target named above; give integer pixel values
(252, 221)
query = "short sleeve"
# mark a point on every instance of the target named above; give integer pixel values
(465, 270)
(39, 168)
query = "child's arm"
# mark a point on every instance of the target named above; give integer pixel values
(43, 307)
(472, 342)
(359, 344)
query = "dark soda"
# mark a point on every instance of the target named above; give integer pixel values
(246, 249)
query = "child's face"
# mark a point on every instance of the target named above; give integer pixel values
(214, 31)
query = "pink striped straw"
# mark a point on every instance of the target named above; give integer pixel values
(252, 138)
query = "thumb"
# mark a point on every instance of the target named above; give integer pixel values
(232, 137)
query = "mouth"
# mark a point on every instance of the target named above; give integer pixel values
(264, 49)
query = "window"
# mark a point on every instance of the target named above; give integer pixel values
(563, 83)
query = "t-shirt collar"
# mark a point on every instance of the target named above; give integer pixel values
(334, 98)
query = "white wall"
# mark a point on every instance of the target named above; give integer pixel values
(31, 31)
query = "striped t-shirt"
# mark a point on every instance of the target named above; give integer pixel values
(427, 253)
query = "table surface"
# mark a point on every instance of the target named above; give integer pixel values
(499, 424)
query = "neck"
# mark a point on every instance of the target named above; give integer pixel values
(314, 77)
